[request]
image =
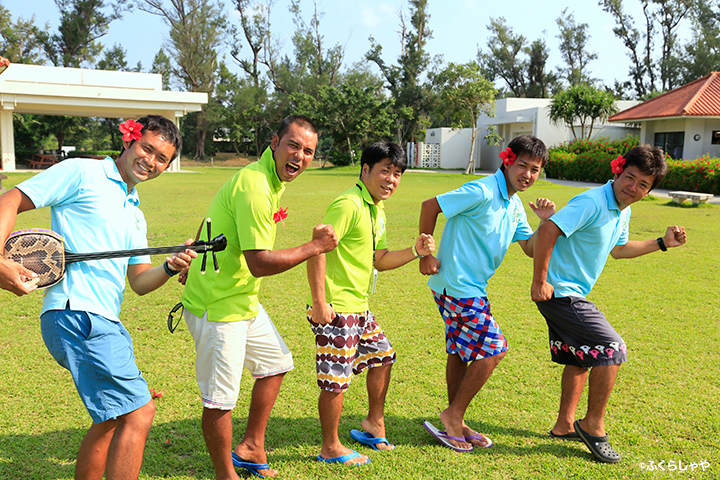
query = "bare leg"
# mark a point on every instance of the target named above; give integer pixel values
(92, 457)
(116, 446)
(330, 409)
(252, 446)
(476, 374)
(602, 380)
(378, 381)
(455, 370)
(572, 385)
(217, 430)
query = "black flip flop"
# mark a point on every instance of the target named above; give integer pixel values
(599, 446)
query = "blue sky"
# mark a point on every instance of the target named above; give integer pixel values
(459, 27)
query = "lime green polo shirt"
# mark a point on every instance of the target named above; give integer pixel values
(358, 223)
(243, 210)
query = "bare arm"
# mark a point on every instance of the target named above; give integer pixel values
(429, 265)
(144, 278)
(13, 276)
(674, 237)
(263, 263)
(322, 312)
(544, 209)
(547, 235)
(387, 260)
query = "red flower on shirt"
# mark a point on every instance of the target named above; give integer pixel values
(618, 165)
(131, 130)
(508, 156)
(280, 215)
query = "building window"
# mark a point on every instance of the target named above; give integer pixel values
(715, 139)
(671, 143)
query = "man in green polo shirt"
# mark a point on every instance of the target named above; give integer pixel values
(348, 338)
(230, 328)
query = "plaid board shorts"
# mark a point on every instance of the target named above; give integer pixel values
(346, 346)
(470, 329)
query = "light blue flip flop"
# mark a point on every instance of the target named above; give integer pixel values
(367, 439)
(343, 459)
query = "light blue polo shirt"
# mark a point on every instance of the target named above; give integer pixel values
(93, 211)
(482, 222)
(592, 225)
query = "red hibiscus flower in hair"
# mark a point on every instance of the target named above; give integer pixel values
(131, 130)
(618, 165)
(508, 157)
(280, 215)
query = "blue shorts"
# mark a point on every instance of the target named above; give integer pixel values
(470, 329)
(99, 354)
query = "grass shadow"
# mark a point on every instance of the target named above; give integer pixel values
(688, 205)
(177, 448)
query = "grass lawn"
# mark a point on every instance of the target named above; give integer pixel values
(665, 406)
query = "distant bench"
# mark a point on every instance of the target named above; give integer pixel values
(696, 198)
(42, 161)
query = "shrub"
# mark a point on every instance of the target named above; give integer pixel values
(589, 161)
(701, 175)
(104, 153)
(617, 147)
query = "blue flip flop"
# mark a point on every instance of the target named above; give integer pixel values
(367, 439)
(343, 459)
(249, 466)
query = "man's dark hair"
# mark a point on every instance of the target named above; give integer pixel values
(300, 120)
(650, 160)
(165, 128)
(379, 151)
(529, 146)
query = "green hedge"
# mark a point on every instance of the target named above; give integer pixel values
(106, 153)
(701, 175)
(589, 161)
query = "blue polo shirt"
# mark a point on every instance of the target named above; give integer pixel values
(592, 225)
(93, 211)
(482, 222)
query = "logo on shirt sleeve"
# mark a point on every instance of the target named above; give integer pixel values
(515, 216)
(381, 226)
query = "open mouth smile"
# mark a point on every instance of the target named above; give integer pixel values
(292, 168)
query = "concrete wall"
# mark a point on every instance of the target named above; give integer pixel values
(691, 126)
(454, 146)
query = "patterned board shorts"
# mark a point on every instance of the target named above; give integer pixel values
(470, 329)
(580, 335)
(346, 346)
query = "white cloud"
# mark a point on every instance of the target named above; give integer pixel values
(372, 17)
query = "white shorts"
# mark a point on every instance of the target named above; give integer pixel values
(224, 348)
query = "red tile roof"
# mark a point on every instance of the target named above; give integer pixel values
(699, 98)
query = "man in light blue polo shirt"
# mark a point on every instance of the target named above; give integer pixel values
(483, 218)
(570, 253)
(94, 206)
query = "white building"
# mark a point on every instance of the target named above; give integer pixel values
(447, 148)
(685, 122)
(517, 116)
(85, 93)
(443, 148)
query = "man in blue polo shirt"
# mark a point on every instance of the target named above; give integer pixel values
(94, 206)
(570, 253)
(483, 218)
